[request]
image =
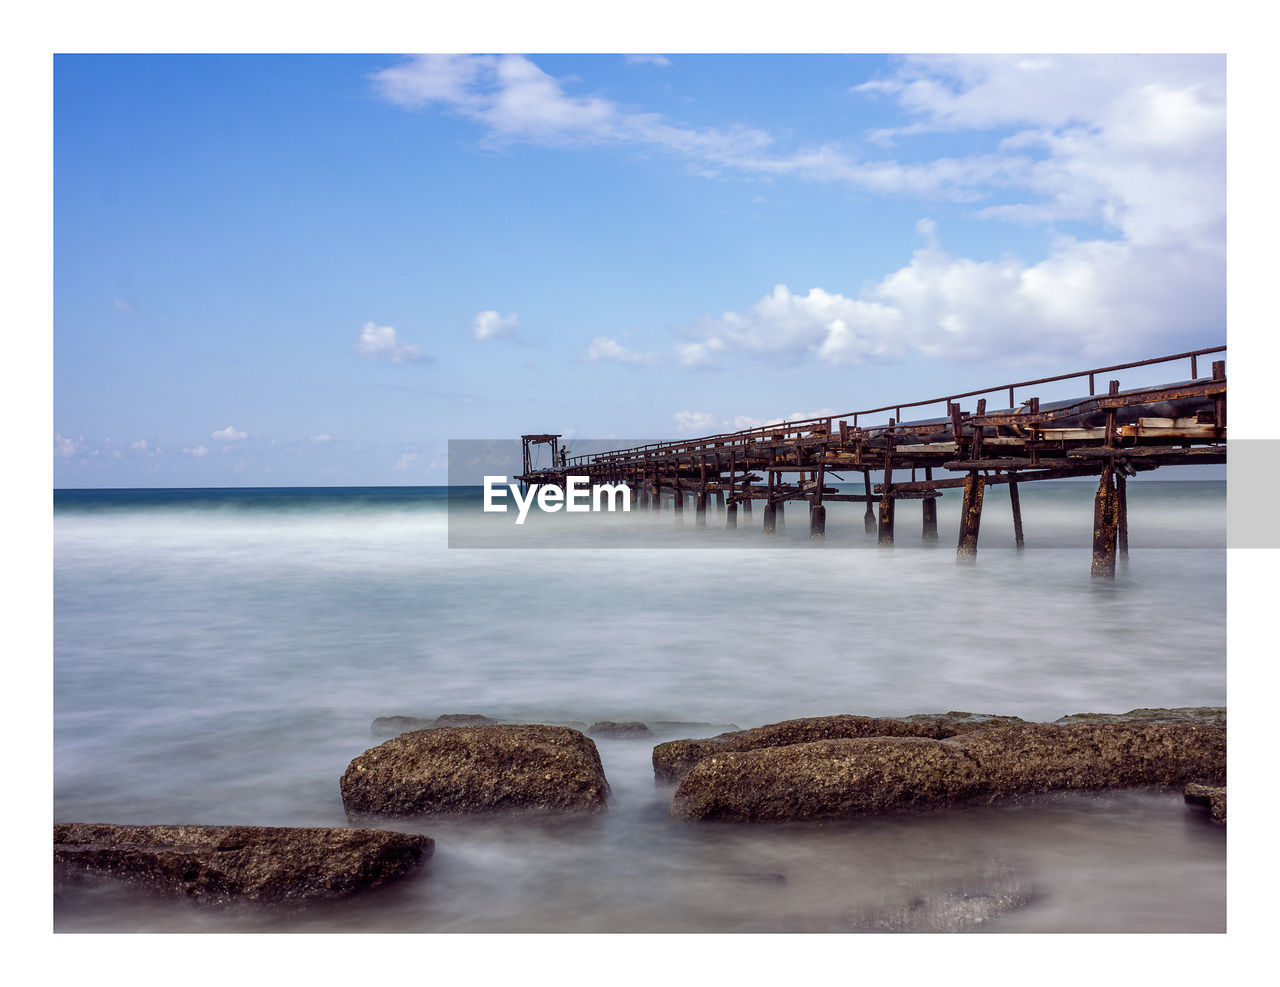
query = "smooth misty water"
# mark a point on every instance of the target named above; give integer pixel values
(219, 657)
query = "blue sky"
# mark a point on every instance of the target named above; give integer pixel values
(276, 270)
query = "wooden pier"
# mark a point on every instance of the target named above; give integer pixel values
(1108, 433)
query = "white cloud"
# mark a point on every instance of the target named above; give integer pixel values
(784, 325)
(68, 447)
(1090, 298)
(198, 451)
(662, 61)
(121, 305)
(515, 100)
(406, 460)
(321, 438)
(140, 445)
(489, 325)
(1133, 142)
(228, 434)
(604, 348)
(380, 343)
(695, 422)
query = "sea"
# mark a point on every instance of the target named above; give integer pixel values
(220, 655)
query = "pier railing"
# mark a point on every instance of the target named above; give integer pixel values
(784, 430)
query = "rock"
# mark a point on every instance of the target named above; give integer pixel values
(222, 865)
(672, 760)
(1214, 796)
(518, 768)
(686, 726)
(1213, 715)
(824, 779)
(964, 907)
(606, 728)
(961, 720)
(391, 726)
(856, 776)
(463, 720)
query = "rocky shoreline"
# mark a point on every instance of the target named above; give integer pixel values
(813, 769)
(224, 865)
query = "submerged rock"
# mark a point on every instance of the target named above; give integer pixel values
(673, 760)
(688, 727)
(519, 768)
(963, 721)
(856, 776)
(463, 720)
(607, 728)
(962, 907)
(1214, 796)
(391, 726)
(1213, 715)
(221, 865)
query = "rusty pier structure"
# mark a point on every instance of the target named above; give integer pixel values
(971, 443)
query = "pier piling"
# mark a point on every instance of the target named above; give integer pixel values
(1122, 520)
(929, 512)
(1017, 512)
(1106, 512)
(869, 518)
(970, 517)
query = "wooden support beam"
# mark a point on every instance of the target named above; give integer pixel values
(869, 518)
(1122, 517)
(1197, 453)
(884, 527)
(1106, 510)
(988, 464)
(1017, 512)
(1056, 473)
(970, 517)
(1109, 440)
(818, 513)
(884, 530)
(1220, 400)
(731, 511)
(929, 512)
(700, 508)
(817, 522)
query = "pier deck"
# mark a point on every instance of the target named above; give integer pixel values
(1113, 435)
